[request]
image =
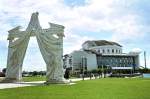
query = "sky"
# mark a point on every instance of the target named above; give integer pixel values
(124, 21)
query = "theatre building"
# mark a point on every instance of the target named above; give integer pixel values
(101, 53)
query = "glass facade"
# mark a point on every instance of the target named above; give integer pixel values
(115, 61)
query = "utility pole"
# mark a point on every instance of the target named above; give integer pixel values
(145, 58)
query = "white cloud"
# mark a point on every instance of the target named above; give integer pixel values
(94, 16)
(136, 50)
(33, 58)
(148, 63)
(143, 62)
(74, 42)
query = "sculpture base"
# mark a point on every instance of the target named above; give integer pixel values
(64, 81)
(9, 80)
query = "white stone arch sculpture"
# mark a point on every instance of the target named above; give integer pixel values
(51, 49)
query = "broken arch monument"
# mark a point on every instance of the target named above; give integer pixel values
(51, 48)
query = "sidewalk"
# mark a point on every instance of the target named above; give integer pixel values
(33, 83)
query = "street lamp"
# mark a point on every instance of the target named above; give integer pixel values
(83, 63)
(102, 71)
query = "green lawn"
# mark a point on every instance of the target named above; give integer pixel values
(109, 88)
(28, 79)
(36, 78)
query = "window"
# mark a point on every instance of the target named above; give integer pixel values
(103, 51)
(112, 50)
(107, 50)
(116, 51)
(120, 60)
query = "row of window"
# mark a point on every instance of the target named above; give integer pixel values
(115, 64)
(119, 60)
(109, 51)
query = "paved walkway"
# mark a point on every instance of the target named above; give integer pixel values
(19, 84)
(33, 83)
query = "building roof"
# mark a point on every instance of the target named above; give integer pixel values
(101, 43)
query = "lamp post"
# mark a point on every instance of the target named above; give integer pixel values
(145, 58)
(102, 71)
(107, 69)
(83, 63)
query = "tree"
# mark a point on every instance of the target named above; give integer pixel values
(4, 70)
(35, 73)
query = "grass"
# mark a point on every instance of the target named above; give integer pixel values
(109, 88)
(1, 78)
(28, 79)
(36, 78)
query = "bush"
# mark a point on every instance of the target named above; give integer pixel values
(145, 70)
(2, 74)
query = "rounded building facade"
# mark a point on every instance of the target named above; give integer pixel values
(103, 47)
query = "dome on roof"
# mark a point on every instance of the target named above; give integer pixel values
(102, 47)
(101, 43)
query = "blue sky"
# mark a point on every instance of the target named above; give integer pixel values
(124, 21)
